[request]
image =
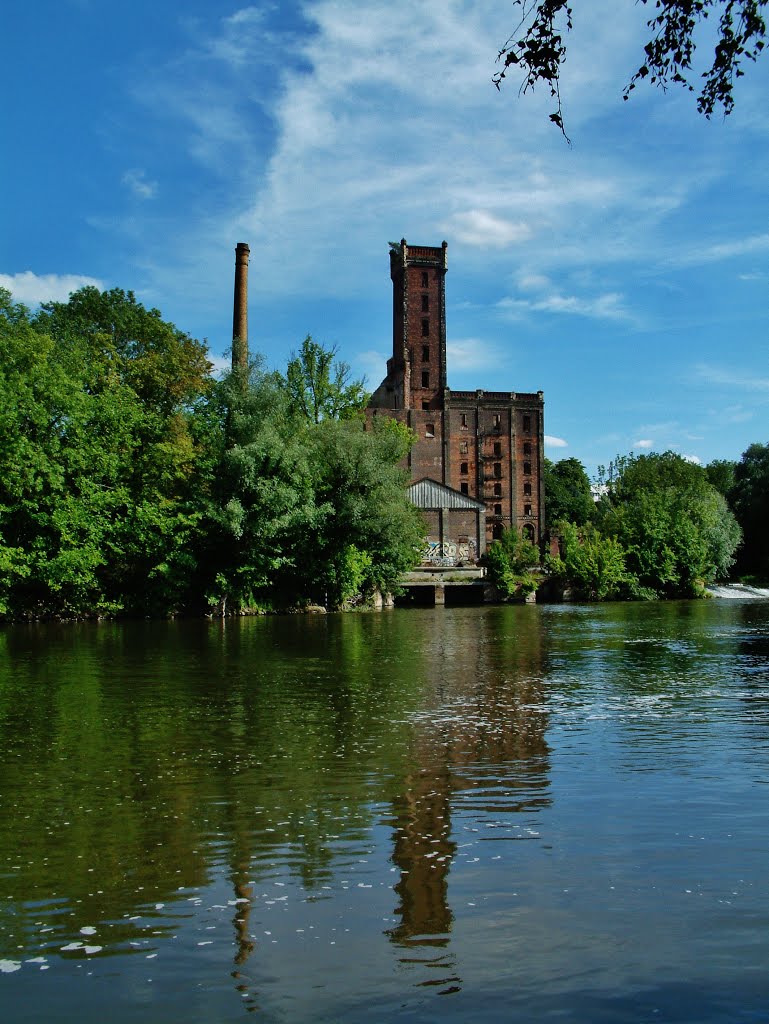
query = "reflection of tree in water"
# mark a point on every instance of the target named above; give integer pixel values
(480, 735)
(174, 751)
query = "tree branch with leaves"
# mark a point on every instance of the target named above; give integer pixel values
(537, 50)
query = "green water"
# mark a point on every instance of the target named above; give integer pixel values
(506, 813)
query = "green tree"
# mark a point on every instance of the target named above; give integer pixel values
(305, 510)
(319, 385)
(677, 531)
(591, 565)
(720, 473)
(100, 455)
(512, 565)
(537, 47)
(567, 492)
(750, 500)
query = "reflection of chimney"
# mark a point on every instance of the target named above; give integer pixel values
(240, 308)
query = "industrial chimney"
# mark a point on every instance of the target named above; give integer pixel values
(240, 309)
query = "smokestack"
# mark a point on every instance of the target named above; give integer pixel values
(240, 308)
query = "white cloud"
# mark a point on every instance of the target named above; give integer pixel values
(555, 442)
(137, 183)
(741, 379)
(471, 354)
(692, 458)
(32, 289)
(609, 306)
(481, 228)
(718, 251)
(644, 443)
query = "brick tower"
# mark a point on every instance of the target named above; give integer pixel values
(477, 452)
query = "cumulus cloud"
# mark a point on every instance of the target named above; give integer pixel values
(555, 442)
(643, 443)
(33, 289)
(692, 458)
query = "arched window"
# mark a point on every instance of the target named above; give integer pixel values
(497, 530)
(528, 532)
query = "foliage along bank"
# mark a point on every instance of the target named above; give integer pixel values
(660, 529)
(132, 481)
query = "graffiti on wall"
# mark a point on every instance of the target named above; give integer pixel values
(449, 553)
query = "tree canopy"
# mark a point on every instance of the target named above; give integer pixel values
(750, 500)
(537, 48)
(675, 528)
(131, 481)
(567, 492)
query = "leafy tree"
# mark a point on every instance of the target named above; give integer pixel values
(591, 565)
(100, 457)
(750, 500)
(567, 492)
(370, 533)
(677, 531)
(511, 563)
(306, 510)
(319, 385)
(537, 48)
(720, 473)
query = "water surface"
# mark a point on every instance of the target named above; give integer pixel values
(505, 813)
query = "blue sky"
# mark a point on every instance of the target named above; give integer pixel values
(626, 276)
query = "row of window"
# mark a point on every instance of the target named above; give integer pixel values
(497, 422)
(497, 468)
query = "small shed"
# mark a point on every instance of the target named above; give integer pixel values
(456, 523)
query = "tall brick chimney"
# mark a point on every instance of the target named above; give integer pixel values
(240, 308)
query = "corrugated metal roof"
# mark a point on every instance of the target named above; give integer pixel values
(428, 493)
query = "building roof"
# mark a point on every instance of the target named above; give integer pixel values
(427, 493)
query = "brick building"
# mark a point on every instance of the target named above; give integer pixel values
(476, 466)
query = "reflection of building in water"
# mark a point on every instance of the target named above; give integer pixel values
(479, 750)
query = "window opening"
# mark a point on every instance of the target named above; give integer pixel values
(527, 424)
(463, 447)
(425, 328)
(425, 378)
(425, 353)
(424, 278)
(527, 448)
(425, 303)
(497, 449)
(498, 470)
(463, 468)
(497, 420)
(527, 489)
(463, 421)
(429, 430)
(527, 468)
(496, 533)
(497, 510)
(527, 510)
(463, 487)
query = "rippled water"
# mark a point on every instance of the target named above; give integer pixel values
(496, 814)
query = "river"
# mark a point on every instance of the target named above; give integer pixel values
(528, 813)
